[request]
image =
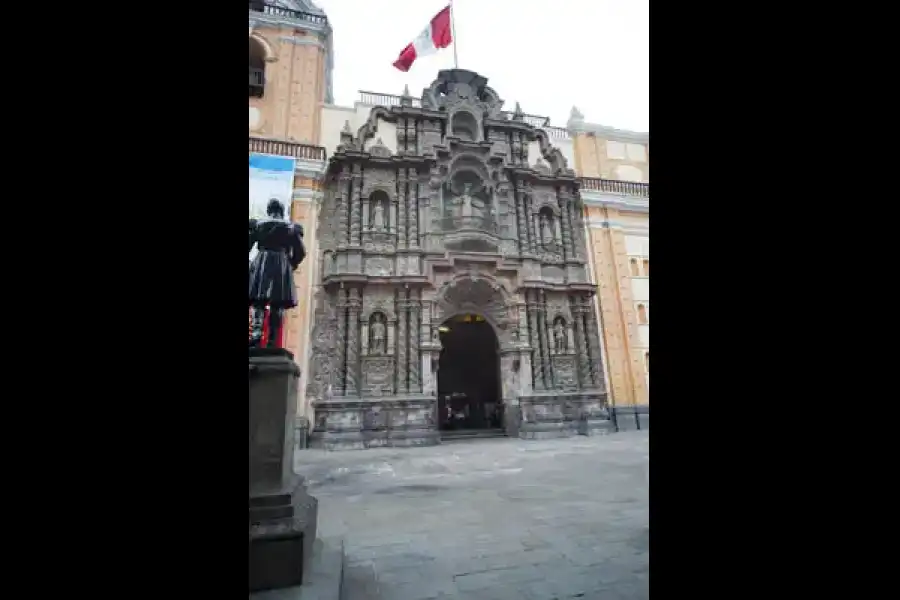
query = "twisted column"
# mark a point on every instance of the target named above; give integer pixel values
(524, 236)
(413, 196)
(341, 375)
(565, 209)
(532, 225)
(578, 332)
(544, 339)
(356, 203)
(592, 334)
(402, 345)
(402, 201)
(537, 362)
(344, 183)
(415, 361)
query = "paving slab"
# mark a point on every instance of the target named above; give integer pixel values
(489, 519)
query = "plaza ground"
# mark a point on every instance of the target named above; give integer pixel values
(490, 519)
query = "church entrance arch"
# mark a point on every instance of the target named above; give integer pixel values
(468, 376)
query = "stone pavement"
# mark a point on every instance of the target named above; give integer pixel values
(490, 519)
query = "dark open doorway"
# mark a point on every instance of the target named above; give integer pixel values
(469, 396)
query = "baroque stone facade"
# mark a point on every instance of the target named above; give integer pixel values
(455, 221)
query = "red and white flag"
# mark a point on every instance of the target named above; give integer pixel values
(436, 35)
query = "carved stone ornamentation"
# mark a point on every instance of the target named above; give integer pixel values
(457, 221)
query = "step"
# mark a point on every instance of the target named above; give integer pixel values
(471, 434)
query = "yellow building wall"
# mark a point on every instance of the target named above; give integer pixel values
(626, 362)
(592, 160)
(290, 108)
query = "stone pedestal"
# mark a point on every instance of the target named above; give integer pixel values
(282, 513)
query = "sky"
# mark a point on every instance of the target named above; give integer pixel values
(548, 56)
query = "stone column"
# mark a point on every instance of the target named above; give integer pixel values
(400, 226)
(343, 198)
(524, 236)
(593, 342)
(413, 196)
(341, 375)
(414, 357)
(584, 372)
(578, 240)
(402, 344)
(354, 305)
(565, 206)
(531, 218)
(534, 340)
(355, 216)
(425, 341)
(544, 339)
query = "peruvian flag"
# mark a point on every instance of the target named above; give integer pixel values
(436, 35)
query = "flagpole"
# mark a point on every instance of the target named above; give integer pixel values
(453, 30)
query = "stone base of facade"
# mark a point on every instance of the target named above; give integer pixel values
(347, 423)
(555, 414)
(631, 418)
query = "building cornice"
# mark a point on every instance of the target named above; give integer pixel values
(580, 127)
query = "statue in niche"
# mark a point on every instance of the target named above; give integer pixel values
(378, 216)
(559, 336)
(546, 222)
(468, 204)
(377, 335)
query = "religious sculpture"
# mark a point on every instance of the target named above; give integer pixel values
(559, 336)
(377, 337)
(378, 216)
(468, 204)
(280, 252)
(546, 229)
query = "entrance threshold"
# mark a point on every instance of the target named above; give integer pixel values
(454, 435)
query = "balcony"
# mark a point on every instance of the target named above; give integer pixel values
(614, 186)
(485, 224)
(282, 148)
(257, 82)
(271, 8)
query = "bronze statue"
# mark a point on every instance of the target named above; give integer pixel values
(280, 245)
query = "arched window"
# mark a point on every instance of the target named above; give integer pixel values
(642, 314)
(646, 267)
(464, 126)
(379, 211)
(635, 270)
(257, 69)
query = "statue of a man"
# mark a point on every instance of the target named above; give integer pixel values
(376, 336)
(281, 251)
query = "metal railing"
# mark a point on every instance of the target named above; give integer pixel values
(614, 186)
(283, 148)
(269, 8)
